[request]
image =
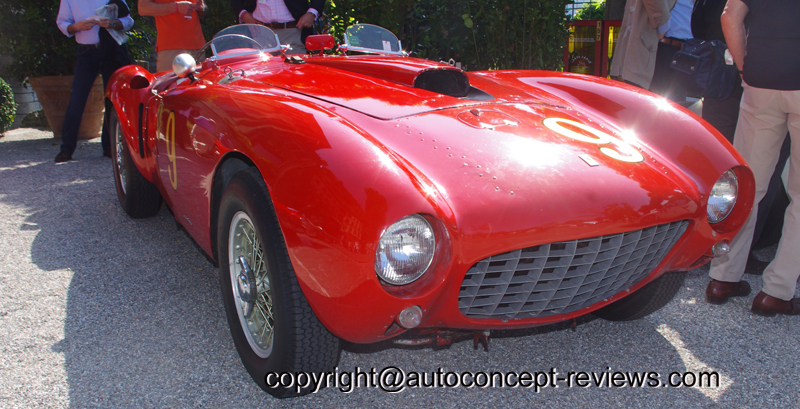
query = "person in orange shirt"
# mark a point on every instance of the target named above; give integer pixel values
(178, 27)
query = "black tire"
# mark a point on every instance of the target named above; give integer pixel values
(298, 341)
(647, 300)
(137, 196)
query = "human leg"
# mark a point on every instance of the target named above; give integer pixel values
(292, 37)
(780, 278)
(667, 81)
(759, 135)
(87, 66)
(164, 58)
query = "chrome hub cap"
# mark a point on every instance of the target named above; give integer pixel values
(250, 284)
(120, 159)
(247, 287)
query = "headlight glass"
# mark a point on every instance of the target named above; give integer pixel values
(405, 250)
(723, 197)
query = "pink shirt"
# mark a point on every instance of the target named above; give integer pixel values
(273, 11)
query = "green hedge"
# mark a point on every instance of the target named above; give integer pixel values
(481, 34)
(8, 107)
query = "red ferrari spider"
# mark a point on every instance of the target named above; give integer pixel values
(366, 194)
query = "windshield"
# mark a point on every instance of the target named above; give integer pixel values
(244, 39)
(371, 39)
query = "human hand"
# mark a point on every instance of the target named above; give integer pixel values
(85, 25)
(186, 8)
(103, 22)
(247, 18)
(307, 20)
(201, 8)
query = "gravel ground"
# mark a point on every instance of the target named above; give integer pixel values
(99, 310)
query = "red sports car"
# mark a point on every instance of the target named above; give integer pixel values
(366, 194)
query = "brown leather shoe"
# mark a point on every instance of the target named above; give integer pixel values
(718, 292)
(768, 305)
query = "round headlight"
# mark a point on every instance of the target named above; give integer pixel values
(405, 250)
(722, 197)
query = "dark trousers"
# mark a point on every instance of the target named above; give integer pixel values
(723, 114)
(667, 81)
(90, 62)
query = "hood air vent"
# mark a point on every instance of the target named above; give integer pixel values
(446, 82)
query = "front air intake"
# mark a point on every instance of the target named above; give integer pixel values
(562, 277)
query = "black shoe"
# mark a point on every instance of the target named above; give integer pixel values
(755, 266)
(63, 156)
(107, 153)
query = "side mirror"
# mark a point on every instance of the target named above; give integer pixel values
(184, 66)
(320, 42)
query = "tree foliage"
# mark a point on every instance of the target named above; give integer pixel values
(593, 10)
(29, 34)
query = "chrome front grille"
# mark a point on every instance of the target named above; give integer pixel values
(566, 276)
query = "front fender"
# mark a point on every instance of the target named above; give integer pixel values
(335, 189)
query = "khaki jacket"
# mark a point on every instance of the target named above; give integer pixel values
(635, 54)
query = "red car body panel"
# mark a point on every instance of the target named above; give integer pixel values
(347, 147)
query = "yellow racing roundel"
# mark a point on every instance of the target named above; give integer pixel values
(620, 150)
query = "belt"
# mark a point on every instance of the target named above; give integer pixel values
(290, 24)
(89, 45)
(671, 41)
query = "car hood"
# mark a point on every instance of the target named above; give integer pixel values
(476, 154)
(381, 87)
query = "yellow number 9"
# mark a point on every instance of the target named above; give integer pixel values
(172, 168)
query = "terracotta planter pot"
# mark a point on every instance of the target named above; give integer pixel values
(53, 93)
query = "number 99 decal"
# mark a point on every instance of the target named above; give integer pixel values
(621, 151)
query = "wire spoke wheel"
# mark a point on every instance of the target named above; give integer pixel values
(273, 326)
(251, 286)
(119, 157)
(138, 196)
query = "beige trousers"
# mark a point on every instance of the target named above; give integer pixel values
(764, 117)
(164, 58)
(292, 37)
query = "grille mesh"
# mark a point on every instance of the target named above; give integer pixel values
(566, 276)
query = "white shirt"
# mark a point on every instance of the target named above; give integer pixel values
(72, 11)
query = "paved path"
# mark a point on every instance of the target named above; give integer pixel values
(99, 310)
